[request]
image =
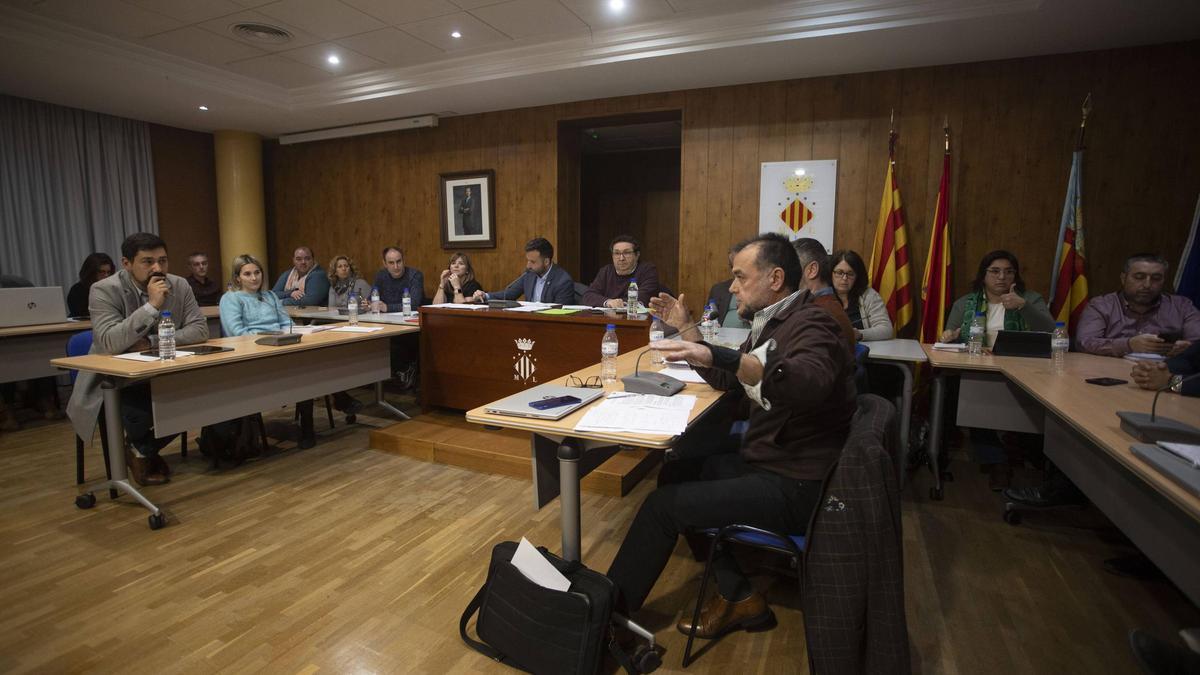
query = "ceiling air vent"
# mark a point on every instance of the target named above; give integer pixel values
(261, 32)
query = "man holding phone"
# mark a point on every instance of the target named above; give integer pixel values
(1141, 317)
(125, 310)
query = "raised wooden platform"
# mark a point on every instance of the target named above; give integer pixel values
(443, 437)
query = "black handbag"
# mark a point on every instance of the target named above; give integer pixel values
(537, 629)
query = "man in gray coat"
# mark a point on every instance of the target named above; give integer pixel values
(125, 310)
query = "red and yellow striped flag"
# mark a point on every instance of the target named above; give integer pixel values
(1068, 283)
(889, 255)
(936, 294)
(796, 215)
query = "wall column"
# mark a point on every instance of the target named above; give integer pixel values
(240, 196)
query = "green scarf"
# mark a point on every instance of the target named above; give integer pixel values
(977, 302)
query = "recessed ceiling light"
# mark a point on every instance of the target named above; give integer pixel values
(204, 107)
(616, 5)
(455, 34)
(333, 59)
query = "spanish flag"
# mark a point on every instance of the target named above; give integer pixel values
(889, 255)
(1068, 282)
(936, 293)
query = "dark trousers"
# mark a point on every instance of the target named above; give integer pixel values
(138, 419)
(728, 491)
(405, 351)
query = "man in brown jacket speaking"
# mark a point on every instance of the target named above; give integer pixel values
(797, 373)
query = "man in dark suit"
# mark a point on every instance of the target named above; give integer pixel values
(466, 208)
(543, 281)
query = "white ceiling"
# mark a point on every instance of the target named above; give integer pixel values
(158, 60)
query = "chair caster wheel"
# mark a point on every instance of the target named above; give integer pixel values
(158, 521)
(1012, 517)
(646, 660)
(936, 494)
(85, 501)
(351, 419)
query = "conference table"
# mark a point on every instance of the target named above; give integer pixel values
(26, 351)
(1084, 439)
(192, 391)
(561, 456)
(470, 357)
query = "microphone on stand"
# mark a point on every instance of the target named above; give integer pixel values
(1152, 428)
(652, 383)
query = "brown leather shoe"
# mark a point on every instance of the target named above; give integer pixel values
(140, 469)
(159, 465)
(719, 616)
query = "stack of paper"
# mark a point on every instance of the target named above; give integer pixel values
(530, 307)
(685, 374)
(137, 356)
(1186, 451)
(356, 329)
(950, 346)
(639, 414)
(458, 305)
(305, 330)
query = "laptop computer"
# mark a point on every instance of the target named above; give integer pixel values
(518, 405)
(1029, 343)
(33, 306)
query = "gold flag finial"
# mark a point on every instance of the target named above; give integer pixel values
(946, 131)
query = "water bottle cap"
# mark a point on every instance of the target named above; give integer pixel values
(978, 313)
(1060, 324)
(167, 313)
(611, 326)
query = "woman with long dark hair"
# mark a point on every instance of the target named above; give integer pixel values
(95, 267)
(863, 304)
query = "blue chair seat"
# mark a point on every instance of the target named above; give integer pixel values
(762, 539)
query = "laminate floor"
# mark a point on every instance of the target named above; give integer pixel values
(341, 559)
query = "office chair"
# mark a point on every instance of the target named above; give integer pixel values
(80, 344)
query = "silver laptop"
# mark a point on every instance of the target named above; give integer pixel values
(32, 306)
(518, 405)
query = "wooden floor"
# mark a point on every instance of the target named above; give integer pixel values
(342, 559)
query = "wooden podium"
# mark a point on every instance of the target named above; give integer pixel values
(473, 357)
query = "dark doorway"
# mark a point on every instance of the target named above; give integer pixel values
(627, 178)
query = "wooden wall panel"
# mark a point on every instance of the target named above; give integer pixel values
(1012, 124)
(185, 185)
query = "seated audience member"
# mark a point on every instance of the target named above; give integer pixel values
(344, 280)
(457, 283)
(305, 284)
(543, 281)
(250, 310)
(1169, 375)
(727, 303)
(816, 277)
(1141, 317)
(207, 290)
(610, 288)
(999, 292)
(126, 308)
(395, 278)
(797, 379)
(95, 267)
(864, 306)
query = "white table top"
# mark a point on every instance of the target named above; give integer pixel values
(896, 350)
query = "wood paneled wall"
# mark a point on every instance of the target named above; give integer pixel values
(185, 184)
(1013, 124)
(635, 193)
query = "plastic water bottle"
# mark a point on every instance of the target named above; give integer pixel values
(975, 338)
(632, 310)
(166, 337)
(608, 355)
(1060, 343)
(407, 306)
(708, 328)
(656, 334)
(352, 307)
(375, 302)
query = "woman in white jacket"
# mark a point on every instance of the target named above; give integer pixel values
(863, 304)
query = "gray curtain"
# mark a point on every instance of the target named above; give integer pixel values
(71, 182)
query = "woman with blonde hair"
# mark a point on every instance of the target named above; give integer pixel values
(344, 280)
(458, 282)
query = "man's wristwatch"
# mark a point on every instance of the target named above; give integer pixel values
(1175, 384)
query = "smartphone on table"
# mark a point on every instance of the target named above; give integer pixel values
(554, 402)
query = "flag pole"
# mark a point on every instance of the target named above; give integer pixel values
(946, 132)
(1086, 110)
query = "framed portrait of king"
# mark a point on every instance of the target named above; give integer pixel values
(468, 209)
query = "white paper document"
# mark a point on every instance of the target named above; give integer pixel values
(537, 569)
(306, 330)
(1144, 356)
(135, 356)
(458, 305)
(608, 417)
(950, 346)
(578, 307)
(683, 374)
(529, 307)
(356, 329)
(1186, 451)
(677, 402)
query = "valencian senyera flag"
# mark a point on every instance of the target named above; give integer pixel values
(936, 292)
(1068, 281)
(889, 255)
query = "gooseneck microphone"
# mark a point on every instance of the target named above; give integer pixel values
(1152, 428)
(652, 383)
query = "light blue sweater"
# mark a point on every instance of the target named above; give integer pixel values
(252, 313)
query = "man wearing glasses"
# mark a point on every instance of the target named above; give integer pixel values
(611, 285)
